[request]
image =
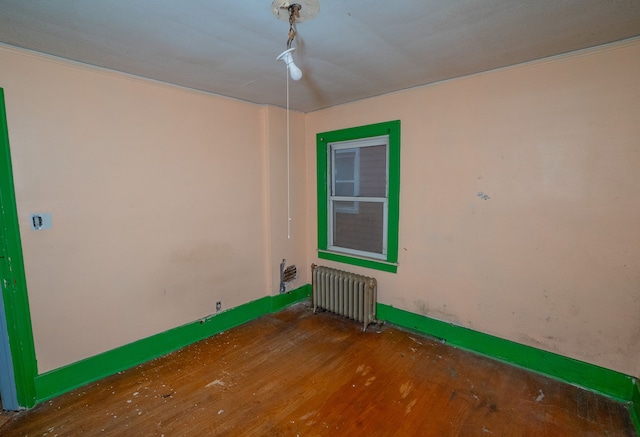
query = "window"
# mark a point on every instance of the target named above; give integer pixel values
(358, 195)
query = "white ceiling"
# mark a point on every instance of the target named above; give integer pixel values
(352, 50)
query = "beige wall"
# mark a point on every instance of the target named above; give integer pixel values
(285, 243)
(552, 258)
(159, 203)
(166, 200)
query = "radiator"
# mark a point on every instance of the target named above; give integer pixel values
(344, 293)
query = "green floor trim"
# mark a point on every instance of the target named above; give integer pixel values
(282, 301)
(597, 379)
(635, 405)
(67, 378)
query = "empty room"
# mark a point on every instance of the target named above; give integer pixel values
(320, 218)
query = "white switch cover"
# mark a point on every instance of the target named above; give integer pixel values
(40, 221)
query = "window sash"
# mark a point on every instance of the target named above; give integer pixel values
(332, 150)
(330, 225)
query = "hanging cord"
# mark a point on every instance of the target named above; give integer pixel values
(288, 166)
(294, 12)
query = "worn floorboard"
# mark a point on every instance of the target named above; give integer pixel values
(298, 374)
(5, 416)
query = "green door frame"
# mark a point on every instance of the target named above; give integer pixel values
(14, 293)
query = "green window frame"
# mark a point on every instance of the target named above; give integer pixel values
(390, 130)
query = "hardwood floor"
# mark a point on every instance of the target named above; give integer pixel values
(5, 416)
(298, 374)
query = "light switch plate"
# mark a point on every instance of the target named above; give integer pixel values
(41, 221)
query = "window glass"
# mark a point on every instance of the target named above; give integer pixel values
(345, 172)
(362, 231)
(373, 171)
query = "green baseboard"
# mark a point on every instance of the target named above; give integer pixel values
(635, 405)
(610, 383)
(72, 376)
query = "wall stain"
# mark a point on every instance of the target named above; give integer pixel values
(196, 274)
(422, 307)
(436, 313)
(574, 311)
(530, 341)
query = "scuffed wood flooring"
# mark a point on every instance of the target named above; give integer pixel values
(298, 374)
(5, 416)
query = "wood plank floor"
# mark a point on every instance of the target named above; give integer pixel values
(298, 374)
(5, 416)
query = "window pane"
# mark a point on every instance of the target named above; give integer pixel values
(359, 230)
(345, 189)
(373, 171)
(345, 163)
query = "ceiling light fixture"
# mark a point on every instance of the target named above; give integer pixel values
(294, 71)
(296, 12)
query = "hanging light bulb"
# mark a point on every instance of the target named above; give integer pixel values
(294, 71)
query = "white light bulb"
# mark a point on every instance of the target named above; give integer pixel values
(294, 71)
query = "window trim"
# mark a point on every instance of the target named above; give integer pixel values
(323, 140)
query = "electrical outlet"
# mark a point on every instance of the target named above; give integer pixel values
(218, 306)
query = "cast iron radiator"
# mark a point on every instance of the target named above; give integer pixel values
(344, 293)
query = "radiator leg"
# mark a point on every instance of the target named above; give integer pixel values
(314, 288)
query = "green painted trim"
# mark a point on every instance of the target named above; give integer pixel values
(362, 262)
(597, 379)
(393, 219)
(67, 378)
(281, 301)
(392, 129)
(15, 297)
(635, 405)
(322, 189)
